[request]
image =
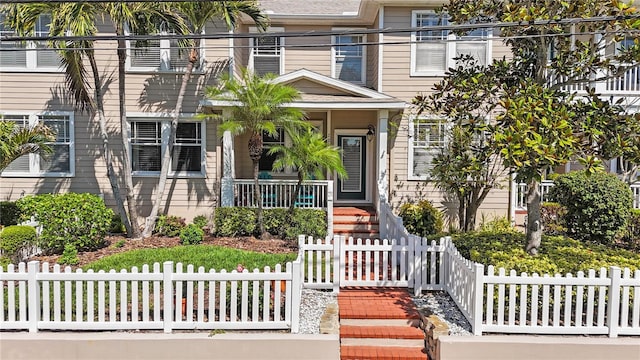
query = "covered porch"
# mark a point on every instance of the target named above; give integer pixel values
(353, 118)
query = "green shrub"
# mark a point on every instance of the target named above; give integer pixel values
(422, 218)
(309, 222)
(81, 220)
(15, 238)
(201, 221)
(552, 216)
(558, 254)
(239, 221)
(499, 224)
(598, 205)
(631, 236)
(9, 213)
(235, 221)
(116, 226)
(169, 225)
(69, 256)
(191, 235)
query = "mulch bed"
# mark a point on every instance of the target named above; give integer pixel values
(270, 246)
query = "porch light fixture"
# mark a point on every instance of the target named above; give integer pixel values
(371, 132)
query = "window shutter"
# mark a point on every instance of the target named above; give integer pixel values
(146, 57)
(431, 56)
(476, 49)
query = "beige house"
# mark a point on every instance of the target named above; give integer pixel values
(356, 89)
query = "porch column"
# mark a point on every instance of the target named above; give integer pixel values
(228, 167)
(381, 155)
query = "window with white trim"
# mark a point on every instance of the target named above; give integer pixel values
(266, 55)
(160, 55)
(61, 161)
(149, 138)
(31, 55)
(433, 51)
(427, 138)
(349, 58)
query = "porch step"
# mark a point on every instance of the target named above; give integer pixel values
(359, 222)
(381, 353)
(379, 323)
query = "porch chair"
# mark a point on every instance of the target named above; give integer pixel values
(269, 199)
(305, 199)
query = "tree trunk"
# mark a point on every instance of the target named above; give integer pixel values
(106, 151)
(257, 197)
(126, 153)
(461, 213)
(470, 216)
(534, 224)
(166, 157)
(295, 194)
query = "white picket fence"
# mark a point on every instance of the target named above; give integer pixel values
(162, 298)
(545, 186)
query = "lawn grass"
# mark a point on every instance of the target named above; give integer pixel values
(208, 256)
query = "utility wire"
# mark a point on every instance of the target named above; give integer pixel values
(325, 45)
(315, 33)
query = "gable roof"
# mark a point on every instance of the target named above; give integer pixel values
(338, 94)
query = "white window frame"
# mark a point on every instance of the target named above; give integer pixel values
(363, 56)
(450, 47)
(34, 159)
(165, 123)
(271, 30)
(165, 57)
(411, 146)
(31, 61)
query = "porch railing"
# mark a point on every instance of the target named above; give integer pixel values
(627, 83)
(521, 194)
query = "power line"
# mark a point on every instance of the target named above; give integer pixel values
(316, 33)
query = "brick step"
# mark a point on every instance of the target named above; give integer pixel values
(353, 211)
(351, 218)
(415, 323)
(357, 234)
(381, 332)
(417, 343)
(381, 353)
(354, 226)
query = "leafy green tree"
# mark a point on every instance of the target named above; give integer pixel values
(539, 112)
(258, 107)
(196, 16)
(468, 166)
(17, 141)
(310, 154)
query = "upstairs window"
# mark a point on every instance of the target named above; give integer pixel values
(433, 51)
(61, 161)
(30, 55)
(266, 55)
(349, 58)
(149, 140)
(159, 55)
(427, 138)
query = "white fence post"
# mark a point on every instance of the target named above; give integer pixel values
(337, 264)
(34, 296)
(167, 288)
(416, 254)
(296, 294)
(478, 299)
(613, 310)
(330, 208)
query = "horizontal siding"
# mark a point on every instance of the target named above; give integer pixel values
(316, 58)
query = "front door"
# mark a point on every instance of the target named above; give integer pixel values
(353, 158)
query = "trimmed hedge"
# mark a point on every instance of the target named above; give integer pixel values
(557, 255)
(81, 220)
(421, 218)
(169, 225)
(240, 221)
(598, 205)
(15, 238)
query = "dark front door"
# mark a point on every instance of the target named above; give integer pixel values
(353, 158)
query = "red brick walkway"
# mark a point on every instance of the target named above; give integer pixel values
(379, 323)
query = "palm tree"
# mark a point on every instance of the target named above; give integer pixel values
(196, 16)
(17, 141)
(259, 108)
(311, 155)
